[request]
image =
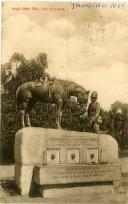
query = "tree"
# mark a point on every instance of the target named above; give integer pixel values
(17, 59)
(24, 71)
(119, 118)
(6, 73)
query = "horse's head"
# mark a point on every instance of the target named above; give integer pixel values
(83, 97)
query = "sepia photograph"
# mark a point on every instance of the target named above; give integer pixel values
(64, 102)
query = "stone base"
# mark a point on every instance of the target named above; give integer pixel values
(77, 192)
(69, 174)
(76, 180)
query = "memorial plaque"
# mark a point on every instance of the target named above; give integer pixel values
(73, 156)
(92, 155)
(53, 156)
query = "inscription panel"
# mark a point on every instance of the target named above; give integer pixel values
(75, 174)
(72, 141)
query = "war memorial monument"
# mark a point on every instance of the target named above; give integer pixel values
(64, 110)
(56, 156)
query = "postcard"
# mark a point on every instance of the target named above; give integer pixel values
(64, 102)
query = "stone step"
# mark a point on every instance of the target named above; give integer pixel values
(77, 192)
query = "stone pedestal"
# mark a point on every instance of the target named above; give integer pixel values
(61, 157)
(75, 174)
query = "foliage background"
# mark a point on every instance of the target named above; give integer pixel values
(115, 121)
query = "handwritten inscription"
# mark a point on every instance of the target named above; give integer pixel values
(76, 5)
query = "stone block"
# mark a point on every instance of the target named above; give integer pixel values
(32, 143)
(53, 149)
(77, 192)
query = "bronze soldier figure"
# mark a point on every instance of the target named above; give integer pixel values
(42, 61)
(94, 113)
(44, 76)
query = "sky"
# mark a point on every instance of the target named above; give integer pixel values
(85, 45)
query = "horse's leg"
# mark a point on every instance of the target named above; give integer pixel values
(29, 108)
(28, 120)
(59, 113)
(22, 113)
(23, 109)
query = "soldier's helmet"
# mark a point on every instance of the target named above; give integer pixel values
(94, 94)
(42, 55)
(41, 58)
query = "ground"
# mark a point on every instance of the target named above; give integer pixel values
(94, 194)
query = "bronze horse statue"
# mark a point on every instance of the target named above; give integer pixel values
(57, 92)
